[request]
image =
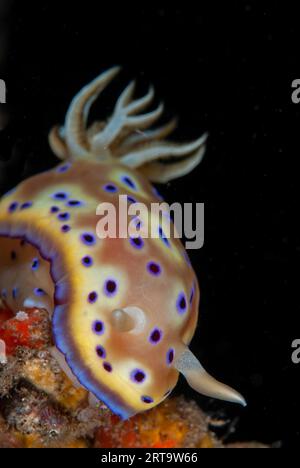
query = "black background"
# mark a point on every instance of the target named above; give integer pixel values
(225, 68)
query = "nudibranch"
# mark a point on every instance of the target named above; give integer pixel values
(124, 310)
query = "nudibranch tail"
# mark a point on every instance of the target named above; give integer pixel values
(202, 382)
(125, 137)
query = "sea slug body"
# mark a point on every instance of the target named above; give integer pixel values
(123, 310)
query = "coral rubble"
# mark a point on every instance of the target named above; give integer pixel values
(41, 407)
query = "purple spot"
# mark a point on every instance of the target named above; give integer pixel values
(66, 228)
(110, 287)
(87, 261)
(63, 216)
(129, 182)
(101, 352)
(154, 268)
(181, 303)
(137, 242)
(35, 264)
(168, 216)
(131, 199)
(15, 292)
(156, 193)
(26, 205)
(192, 294)
(92, 297)
(88, 239)
(155, 336)
(60, 196)
(13, 255)
(98, 327)
(13, 207)
(64, 168)
(138, 223)
(4, 293)
(39, 292)
(170, 356)
(137, 375)
(73, 203)
(110, 188)
(163, 237)
(147, 399)
(54, 209)
(107, 367)
(186, 257)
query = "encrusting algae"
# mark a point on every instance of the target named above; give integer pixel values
(41, 407)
